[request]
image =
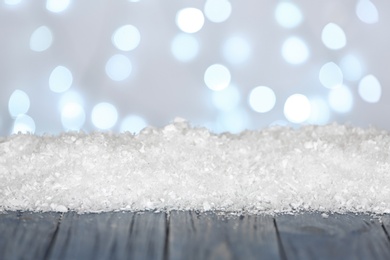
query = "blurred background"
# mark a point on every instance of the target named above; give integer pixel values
(100, 65)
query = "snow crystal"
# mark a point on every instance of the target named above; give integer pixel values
(324, 215)
(333, 168)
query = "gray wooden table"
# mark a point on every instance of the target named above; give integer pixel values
(192, 235)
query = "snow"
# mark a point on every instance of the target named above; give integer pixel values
(332, 168)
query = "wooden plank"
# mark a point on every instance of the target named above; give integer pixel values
(27, 235)
(209, 236)
(8, 224)
(111, 235)
(349, 236)
(148, 236)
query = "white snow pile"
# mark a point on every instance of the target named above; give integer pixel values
(334, 168)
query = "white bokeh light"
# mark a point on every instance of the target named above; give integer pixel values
(61, 79)
(320, 112)
(126, 38)
(104, 116)
(133, 124)
(190, 20)
(19, 103)
(217, 77)
(70, 97)
(297, 108)
(236, 50)
(262, 99)
(233, 121)
(226, 99)
(41, 39)
(118, 67)
(12, 2)
(23, 124)
(331, 75)
(185, 47)
(288, 15)
(295, 51)
(351, 67)
(72, 116)
(367, 12)
(333, 36)
(57, 6)
(217, 11)
(340, 99)
(370, 89)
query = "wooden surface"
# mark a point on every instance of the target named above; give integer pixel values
(310, 236)
(192, 235)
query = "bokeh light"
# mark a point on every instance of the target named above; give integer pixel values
(233, 121)
(23, 124)
(70, 97)
(333, 36)
(236, 50)
(340, 99)
(71, 107)
(57, 6)
(351, 67)
(133, 124)
(370, 89)
(126, 38)
(217, 77)
(295, 51)
(288, 15)
(190, 20)
(104, 116)
(367, 12)
(217, 11)
(184, 47)
(331, 75)
(12, 2)
(72, 116)
(320, 112)
(41, 39)
(297, 108)
(262, 99)
(18, 103)
(226, 99)
(61, 79)
(118, 67)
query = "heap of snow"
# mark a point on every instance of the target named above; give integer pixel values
(333, 168)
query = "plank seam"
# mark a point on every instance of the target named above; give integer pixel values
(385, 230)
(51, 244)
(282, 253)
(166, 245)
(131, 229)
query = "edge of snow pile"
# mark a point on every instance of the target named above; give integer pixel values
(332, 168)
